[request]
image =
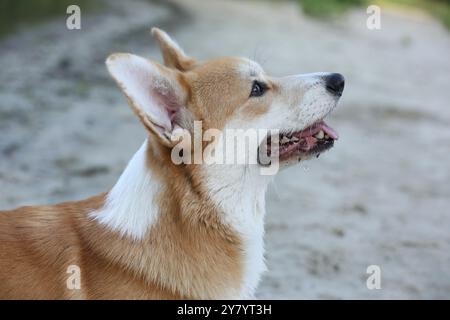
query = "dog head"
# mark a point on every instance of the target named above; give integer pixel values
(229, 94)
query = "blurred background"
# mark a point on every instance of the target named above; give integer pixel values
(381, 196)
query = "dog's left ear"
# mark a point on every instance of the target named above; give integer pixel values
(173, 55)
(154, 92)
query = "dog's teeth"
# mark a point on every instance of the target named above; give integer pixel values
(327, 136)
(285, 140)
(320, 134)
(295, 139)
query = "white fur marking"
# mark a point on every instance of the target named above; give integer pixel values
(130, 206)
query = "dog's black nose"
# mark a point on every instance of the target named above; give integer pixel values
(335, 83)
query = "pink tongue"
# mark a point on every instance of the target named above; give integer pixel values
(311, 131)
(329, 131)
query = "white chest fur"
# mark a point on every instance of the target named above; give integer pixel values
(240, 193)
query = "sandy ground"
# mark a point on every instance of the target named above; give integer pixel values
(381, 196)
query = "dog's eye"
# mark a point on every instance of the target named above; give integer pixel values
(258, 89)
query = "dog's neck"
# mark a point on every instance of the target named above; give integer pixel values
(240, 193)
(227, 198)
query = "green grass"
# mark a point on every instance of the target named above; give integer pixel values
(18, 13)
(438, 8)
(328, 8)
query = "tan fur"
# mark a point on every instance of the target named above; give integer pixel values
(218, 83)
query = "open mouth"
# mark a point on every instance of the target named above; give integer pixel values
(301, 144)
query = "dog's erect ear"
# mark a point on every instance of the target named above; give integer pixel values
(173, 55)
(153, 91)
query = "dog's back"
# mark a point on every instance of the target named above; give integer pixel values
(41, 245)
(37, 245)
(32, 239)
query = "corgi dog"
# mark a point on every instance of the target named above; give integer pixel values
(171, 230)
